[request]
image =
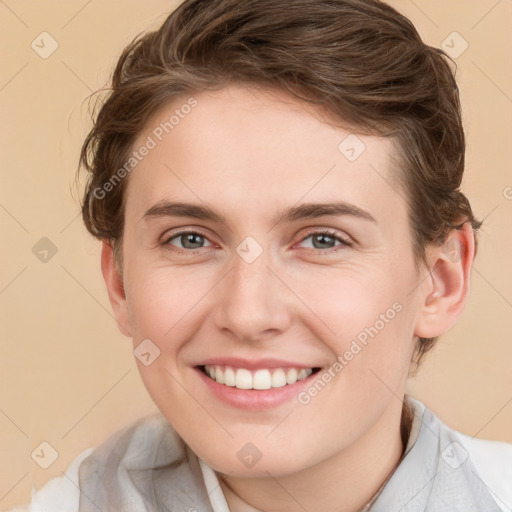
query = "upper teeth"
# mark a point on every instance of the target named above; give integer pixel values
(242, 378)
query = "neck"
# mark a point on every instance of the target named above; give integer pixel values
(345, 482)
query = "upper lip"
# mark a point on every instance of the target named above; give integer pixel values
(253, 364)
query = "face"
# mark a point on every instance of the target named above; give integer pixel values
(264, 248)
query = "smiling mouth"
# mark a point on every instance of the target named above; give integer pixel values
(261, 379)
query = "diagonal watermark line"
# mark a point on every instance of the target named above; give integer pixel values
(421, 281)
(390, 389)
(432, 270)
(15, 424)
(14, 218)
(394, 189)
(198, 402)
(493, 287)
(82, 492)
(211, 491)
(193, 192)
(70, 222)
(94, 298)
(293, 410)
(301, 300)
(424, 13)
(495, 496)
(492, 81)
(307, 192)
(104, 395)
(491, 212)
(13, 13)
(485, 15)
(13, 279)
(286, 491)
(415, 496)
(14, 76)
(14, 486)
(194, 305)
(401, 400)
(76, 76)
(75, 15)
(503, 407)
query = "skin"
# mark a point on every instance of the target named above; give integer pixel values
(249, 154)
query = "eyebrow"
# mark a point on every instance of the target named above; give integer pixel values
(302, 211)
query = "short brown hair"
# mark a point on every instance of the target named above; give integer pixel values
(360, 61)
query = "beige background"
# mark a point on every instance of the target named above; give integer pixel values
(67, 374)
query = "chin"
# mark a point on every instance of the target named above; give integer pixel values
(245, 460)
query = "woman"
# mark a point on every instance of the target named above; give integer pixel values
(277, 192)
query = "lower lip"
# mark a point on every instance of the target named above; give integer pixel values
(254, 399)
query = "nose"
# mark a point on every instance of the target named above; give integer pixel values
(253, 301)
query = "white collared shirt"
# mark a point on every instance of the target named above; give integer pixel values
(488, 464)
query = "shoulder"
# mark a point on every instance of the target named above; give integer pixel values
(62, 493)
(493, 461)
(58, 494)
(490, 462)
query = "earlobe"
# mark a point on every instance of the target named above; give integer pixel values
(446, 289)
(115, 289)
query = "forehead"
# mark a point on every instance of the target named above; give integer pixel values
(246, 149)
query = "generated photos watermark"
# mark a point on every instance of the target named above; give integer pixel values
(356, 346)
(151, 142)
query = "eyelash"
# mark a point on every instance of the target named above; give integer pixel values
(343, 241)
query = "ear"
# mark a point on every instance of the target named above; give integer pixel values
(115, 289)
(447, 287)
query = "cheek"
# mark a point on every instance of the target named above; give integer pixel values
(164, 300)
(338, 306)
(357, 313)
(370, 320)
(354, 303)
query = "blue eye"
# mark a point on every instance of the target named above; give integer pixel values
(189, 240)
(325, 240)
(194, 240)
